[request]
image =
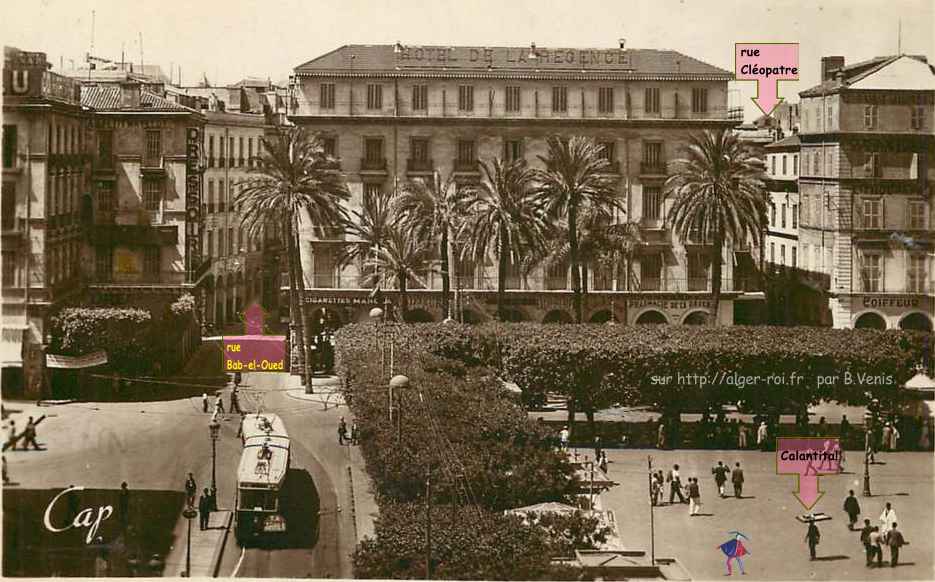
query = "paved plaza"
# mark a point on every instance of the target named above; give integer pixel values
(767, 515)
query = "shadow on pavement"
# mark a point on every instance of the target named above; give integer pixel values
(300, 505)
(831, 558)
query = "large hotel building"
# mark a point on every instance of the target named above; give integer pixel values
(397, 113)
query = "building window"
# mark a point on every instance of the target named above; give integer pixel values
(652, 202)
(9, 269)
(221, 246)
(784, 216)
(151, 260)
(373, 150)
(795, 165)
(512, 99)
(466, 152)
(772, 165)
(8, 194)
(697, 271)
(221, 159)
(871, 273)
(795, 257)
(699, 100)
(326, 100)
(512, 150)
(210, 196)
(785, 170)
(222, 197)
(559, 99)
(795, 216)
(870, 116)
(210, 151)
(250, 161)
(466, 98)
(652, 153)
(651, 99)
(104, 263)
(152, 194)
(231, 241)
(608, 151)
(329, 146)
(153, 153)
(240, 152)
(420, 149)
(210, 245)
(651, 272)
(420, 97)
(815, 169)
(917, 120)
(915, 277)
(772, 253)
(605, 99)
(772, 214)
(230, 153)
(9, 146)
(873, 168)
(105, 196)
(374, 96)
(782, 254)
(830, 123)
(873, 213)
(916, 215)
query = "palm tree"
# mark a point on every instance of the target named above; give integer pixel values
(505, 218)
(292, 182)
(574, 178)
(370, 227)
(434, 210)
(720, 196)
(401, 256)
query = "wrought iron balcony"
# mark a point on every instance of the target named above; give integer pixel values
(653, 168)
(414, 165)
(373, 164)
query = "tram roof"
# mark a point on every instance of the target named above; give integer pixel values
(263, 424)
(264, 461)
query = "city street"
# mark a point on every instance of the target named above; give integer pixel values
(767, 513)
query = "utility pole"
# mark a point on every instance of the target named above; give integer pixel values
(428, 523)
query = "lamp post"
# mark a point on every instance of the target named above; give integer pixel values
(215, 429)
(868, 444)
(399, 382)
(189, 513)
(652, 525)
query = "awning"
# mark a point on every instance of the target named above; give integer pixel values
(91, 360)
(11, 348)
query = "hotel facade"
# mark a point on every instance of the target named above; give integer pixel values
(392, 114)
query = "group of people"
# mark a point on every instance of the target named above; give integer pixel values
(28, 436)
(218, 408)
(351, 437)
(693, 489)
(207, 503)
(874, 537)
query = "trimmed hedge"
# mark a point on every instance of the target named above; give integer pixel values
(126, 334)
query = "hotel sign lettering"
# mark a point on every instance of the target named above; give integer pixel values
(193, 218)
(467, 56)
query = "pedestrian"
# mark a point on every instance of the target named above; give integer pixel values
(720, 477)
(865, 540)
(204, 509)
(597, 448)
(887, 520)
(876, 545)
(742, 436)
(563, 437)
(761, 436)
(694, 496)
(868, 445)
(214, 498)
(235, 402)
(603, 462)
(895, 541)
(887, 437)
(894, 439)
(123, 505)
(822, 428)
(190, 489)
(218, 404)
(852, 507)
(6, 476)
(29, 435)
(813, 536)
(204, 402)
(661, 436)
(736, 477)
(845, 430)
(11, 437)
(675, 485)
(656, 485)
(342, 431)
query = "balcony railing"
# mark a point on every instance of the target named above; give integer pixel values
(373, 164)
(152, 161)
(415, 165)
(466, 166)
(105, 163)
(653, 168)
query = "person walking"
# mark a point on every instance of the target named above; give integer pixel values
(563, 437)
(661, 436)
(887, 437)
(742, 436)
(204, 509)
(29, 435)
(720, 477)
(235, 402)
(598, 449)
(865, 540)
(191, 488)
(736, 477)
(761, 436)
(603, 462)
(868, 445)
(876, 545)
(887, 520)
(822, 428)
(219, 404)
(895, 541)
(845, 430)
(656, 485)
(694, 496)
(11, 436)
(675, 485)
(204, 402)
(355, 432)
(812, 536)
(342, 431)
(852, 508)
(123, 505)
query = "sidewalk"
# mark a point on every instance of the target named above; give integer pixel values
(364, 502)
(206, 545)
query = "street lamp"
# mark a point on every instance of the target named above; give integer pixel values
(652, 525)
(398, 382)
(189, 513)
(868, 446)
(215, 428)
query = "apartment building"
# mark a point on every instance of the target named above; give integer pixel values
(397, 113)
(865, 189)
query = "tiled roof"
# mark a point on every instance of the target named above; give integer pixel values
(107, 98)
(443, 60)
(851, 74)
(792, 141)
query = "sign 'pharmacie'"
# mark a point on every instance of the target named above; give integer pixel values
(466, 56)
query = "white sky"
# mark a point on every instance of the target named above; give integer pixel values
(235, 38)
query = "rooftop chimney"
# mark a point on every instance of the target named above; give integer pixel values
(829, 65)
(130, 95)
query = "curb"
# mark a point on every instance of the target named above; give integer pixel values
(350, 477)
(219, 553)
(54, 402)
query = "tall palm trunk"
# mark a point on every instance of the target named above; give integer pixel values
(575, 267)
(401, 281)
(303, 305)
(716, 276)
(501, 273)
(446, 275)
(294, 311)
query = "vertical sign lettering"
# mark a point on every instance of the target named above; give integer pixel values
(193, 218)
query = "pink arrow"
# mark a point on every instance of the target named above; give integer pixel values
(253, 320)
(767, 64)
(807, 458)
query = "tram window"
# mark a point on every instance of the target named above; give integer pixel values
(253, 498)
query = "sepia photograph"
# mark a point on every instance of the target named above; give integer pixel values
(529, 290)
